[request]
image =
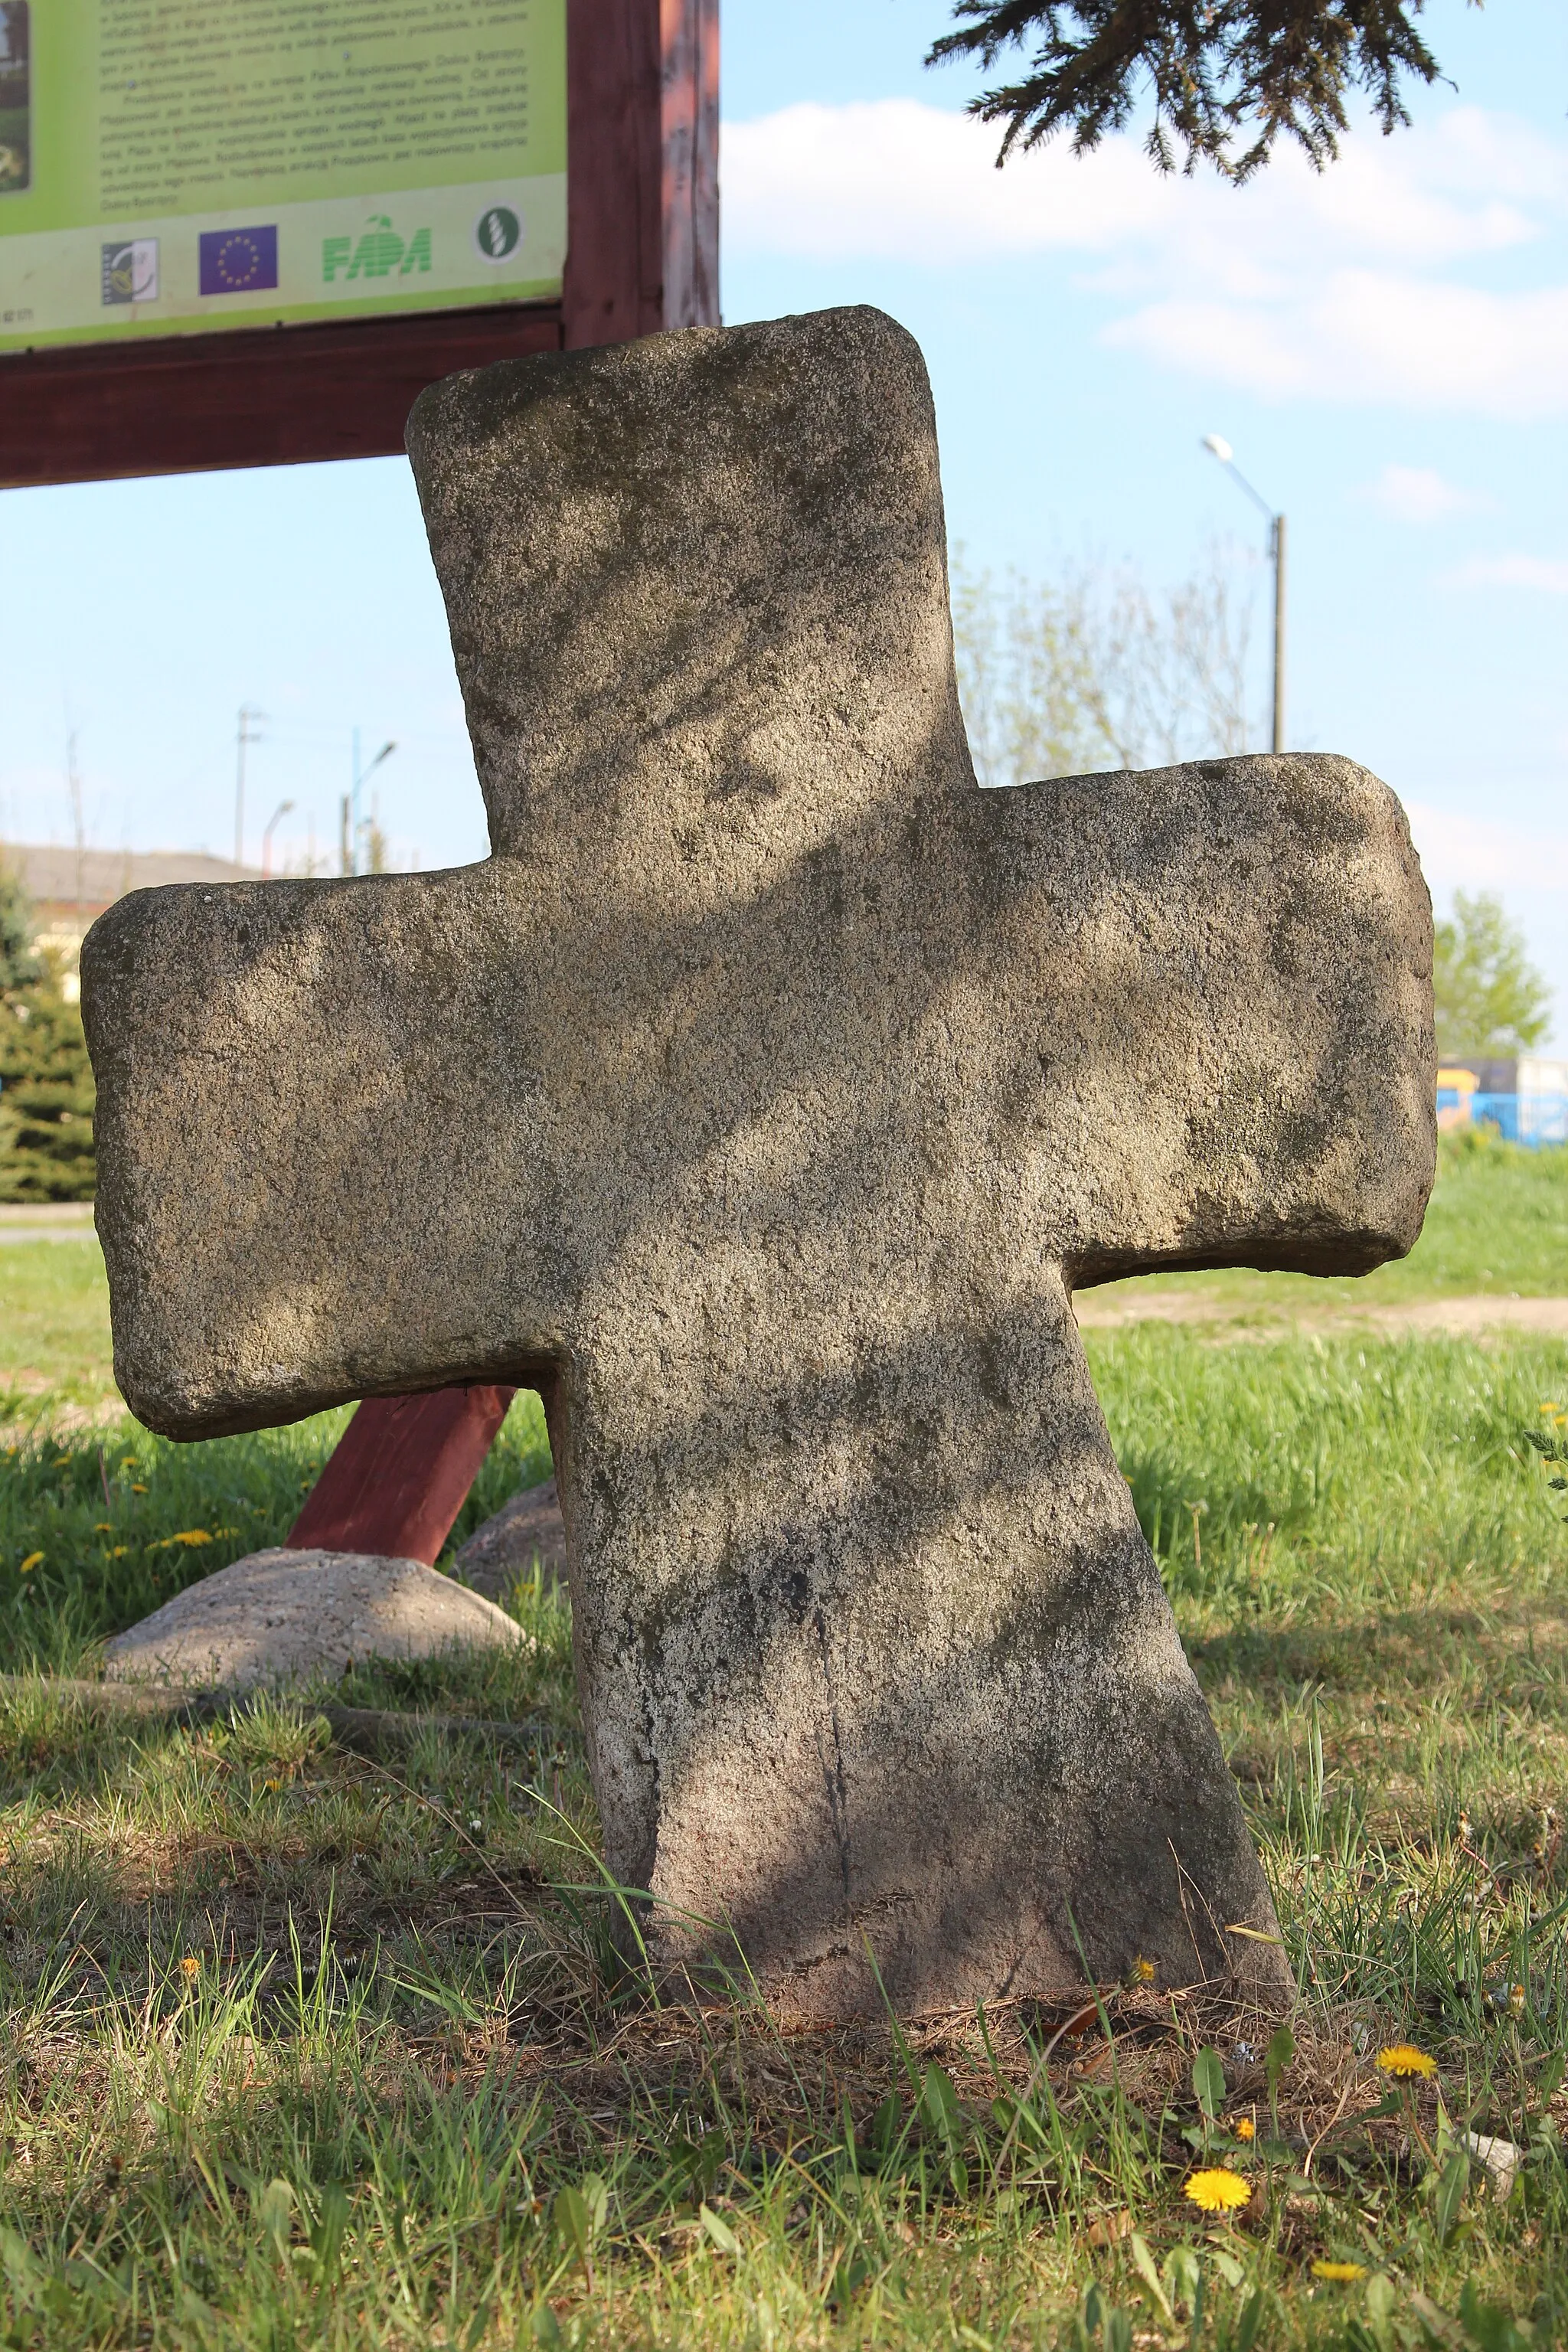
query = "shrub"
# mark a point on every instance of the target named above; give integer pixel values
(46, 1077)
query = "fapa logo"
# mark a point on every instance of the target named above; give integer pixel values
(377, 252)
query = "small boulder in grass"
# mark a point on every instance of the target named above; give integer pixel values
(527, 1529)
(278, 1617)
(1500, 2159)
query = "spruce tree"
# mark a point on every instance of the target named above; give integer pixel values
(46, 1078)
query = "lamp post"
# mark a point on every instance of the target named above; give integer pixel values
(245, 739)
(350, 806)
(1217, 447)
(281, 809)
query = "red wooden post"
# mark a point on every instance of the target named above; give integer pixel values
(401, 1473)
(642, 146)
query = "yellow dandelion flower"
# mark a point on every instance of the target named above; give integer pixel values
(1348, 2271)
(1402, 2060)
(101, 1527)
(137, 1490)
(1217, 2189)
(190, 1967)
(31, 1562)
(1142, 1971)
(120, 1551)
(62, 1461)
(190, 1537)
(1244, 2127)
(128, 1463)
(271, 1786)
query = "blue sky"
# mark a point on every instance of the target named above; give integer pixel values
(1386, 348)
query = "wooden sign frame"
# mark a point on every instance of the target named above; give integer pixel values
(642, 214)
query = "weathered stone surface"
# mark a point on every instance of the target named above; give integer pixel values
(277, 1616)
(526, 1529)
(763, 1098)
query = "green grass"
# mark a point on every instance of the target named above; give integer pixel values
(54, 1326)
(305, 2049)
(404, 2094)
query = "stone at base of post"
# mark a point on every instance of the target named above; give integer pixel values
(283, 1616)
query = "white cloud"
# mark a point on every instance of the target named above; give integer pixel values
(1417, 494)
(1364, 334)
(1342, 285)
(898, 181)
(1470, 853)
(1547, 573)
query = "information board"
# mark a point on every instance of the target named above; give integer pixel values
(176, 167)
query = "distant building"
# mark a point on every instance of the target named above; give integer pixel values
(70, 888)
(1519, 1074)
(1521, 1096)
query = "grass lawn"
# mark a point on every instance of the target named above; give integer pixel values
(53, 1325)
(306, 2048)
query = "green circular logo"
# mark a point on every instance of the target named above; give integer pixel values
(498, 233)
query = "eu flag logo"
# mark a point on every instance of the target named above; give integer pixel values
(238, 261)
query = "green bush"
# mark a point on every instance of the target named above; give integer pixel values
(46, 1100)
(46, 1077)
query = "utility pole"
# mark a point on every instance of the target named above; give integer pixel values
(243, 740)
(1217, 447)
(1278, 633)
(78, 832)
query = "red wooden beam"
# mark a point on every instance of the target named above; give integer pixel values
(401, 1473)
(256, 396)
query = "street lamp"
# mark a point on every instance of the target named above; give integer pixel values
(349, 827)
(244, 739)
(1217, 447)
(281, 809)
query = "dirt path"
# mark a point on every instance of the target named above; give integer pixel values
(1462, 1318)
(45, 1221)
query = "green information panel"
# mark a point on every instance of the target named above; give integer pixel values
(177, 166)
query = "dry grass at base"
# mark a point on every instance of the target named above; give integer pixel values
(303, 2050)
(406, 2094)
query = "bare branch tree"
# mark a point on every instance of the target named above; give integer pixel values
(1096, 670)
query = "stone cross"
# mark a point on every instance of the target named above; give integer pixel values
(764, 1097)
